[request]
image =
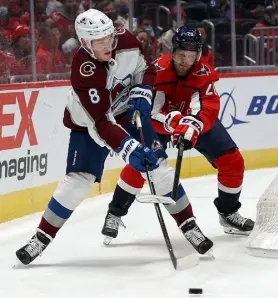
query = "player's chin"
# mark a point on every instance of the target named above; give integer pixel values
(182, 70)
(107, 56)
(184, 66)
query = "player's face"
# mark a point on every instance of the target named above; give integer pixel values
(103, 47)
(183, 60)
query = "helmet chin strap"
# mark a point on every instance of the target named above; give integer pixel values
(199, 55)
(89, 50)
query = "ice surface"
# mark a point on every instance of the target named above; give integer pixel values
(137, 264)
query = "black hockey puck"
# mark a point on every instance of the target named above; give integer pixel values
(195, 291)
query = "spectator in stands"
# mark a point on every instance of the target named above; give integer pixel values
(145, 23)
(49, 57)
(84, 5)
(21, 49)
(69, 48)
(206, 51)
(270, 18)
(40, 10)
(252, 9)
(225, 11)
(184, 18)
(53, 6)
(166, 38)
(5, 35)
(146, 42)
(5, 64)
(108, 8)
(212, 8)
(270, 4)
(123, 15)
(65, 18)
(16, 11)
(40, 13)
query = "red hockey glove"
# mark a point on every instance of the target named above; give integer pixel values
(172, 121)
(189, 127)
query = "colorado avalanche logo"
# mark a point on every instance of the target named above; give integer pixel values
(87, 69)
(204, 71)
(156, 145)
(119, 92)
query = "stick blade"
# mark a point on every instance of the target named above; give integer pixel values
(107, 240)
(188, 262)
(155, 199)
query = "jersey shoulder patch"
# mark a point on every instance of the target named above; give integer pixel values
(85, 70)
(162, 62)
(203, 71)
(203, 74)
(83, 63)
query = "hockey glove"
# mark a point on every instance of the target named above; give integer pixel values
(172, 120)
(140, 99)
(137, 155)
(189, 127)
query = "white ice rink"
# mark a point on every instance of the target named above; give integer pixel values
(137, 265)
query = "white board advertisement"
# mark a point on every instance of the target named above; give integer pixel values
(249, 110)
(33, 140)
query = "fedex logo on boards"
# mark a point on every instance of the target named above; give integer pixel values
(14, 126)
(26, 125)
(259, 104)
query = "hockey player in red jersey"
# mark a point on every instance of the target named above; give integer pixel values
(111, 79)
(187, 104)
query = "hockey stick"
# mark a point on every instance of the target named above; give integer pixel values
(179, 264)
(178, 169)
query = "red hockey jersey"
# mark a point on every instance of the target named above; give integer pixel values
(193, 95)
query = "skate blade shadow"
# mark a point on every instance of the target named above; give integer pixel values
(229, 238)
(101, 263)
(180, 246)
(159, 243)
(181, 249)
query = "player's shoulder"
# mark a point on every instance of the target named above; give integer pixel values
(163, 63)
(202, 73)
(126, 40)
(85, 69)
(164, 69)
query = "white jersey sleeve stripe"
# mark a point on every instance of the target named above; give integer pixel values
(158, 104)
(195, 103)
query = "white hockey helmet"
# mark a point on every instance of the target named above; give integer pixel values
(93, 24)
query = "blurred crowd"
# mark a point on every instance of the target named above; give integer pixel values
(154, 23)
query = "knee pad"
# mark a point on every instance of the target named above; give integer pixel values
(230, 171)
(131, 180)
(73, 189)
